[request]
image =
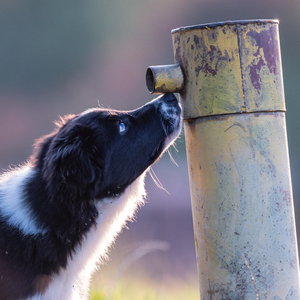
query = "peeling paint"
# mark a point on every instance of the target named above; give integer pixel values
(261, 68)
(234, 68)
(211, 68)
(265, 41)
(255, 69)
(266, 55)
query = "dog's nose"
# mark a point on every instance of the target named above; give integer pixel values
(169, 97)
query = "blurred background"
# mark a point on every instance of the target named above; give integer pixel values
(61, 57)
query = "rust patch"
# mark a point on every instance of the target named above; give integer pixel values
(210, 59)
(268, 57)
(197, 41)
(255, 74)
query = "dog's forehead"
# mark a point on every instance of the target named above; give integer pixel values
(106, 114)
(96, 114)
(102, 114)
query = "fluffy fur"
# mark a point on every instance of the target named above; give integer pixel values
(61, 211)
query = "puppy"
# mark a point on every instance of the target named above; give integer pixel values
(60, 212)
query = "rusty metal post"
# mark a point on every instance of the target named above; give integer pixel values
(234, 119)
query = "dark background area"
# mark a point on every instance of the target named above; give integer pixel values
(61, 57)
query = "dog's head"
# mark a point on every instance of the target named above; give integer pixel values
(100, 152)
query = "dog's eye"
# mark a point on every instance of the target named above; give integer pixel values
(122, 126)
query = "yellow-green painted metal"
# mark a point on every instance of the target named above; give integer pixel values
(230, 67)
(238, 160)
(163, 79)
(234, 119)
(242, 206)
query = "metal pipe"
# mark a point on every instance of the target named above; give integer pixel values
(234, 120)
(163, 79)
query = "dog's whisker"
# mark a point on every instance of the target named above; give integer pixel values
(156, 180)
(175, 147)
(172, 158)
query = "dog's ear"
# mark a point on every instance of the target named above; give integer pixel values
(71, 156)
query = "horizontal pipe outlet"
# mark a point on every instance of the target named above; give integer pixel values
(163, 79)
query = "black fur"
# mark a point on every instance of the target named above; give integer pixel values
(85, 158)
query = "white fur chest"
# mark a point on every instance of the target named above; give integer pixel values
(73, 282)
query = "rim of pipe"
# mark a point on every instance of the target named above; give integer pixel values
(150, 80)
(216, 24)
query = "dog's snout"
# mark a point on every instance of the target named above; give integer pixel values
(169, 97)
(168, 106)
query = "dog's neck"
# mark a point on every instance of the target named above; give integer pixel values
(113, 214)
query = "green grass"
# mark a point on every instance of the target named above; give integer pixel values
(143, 289)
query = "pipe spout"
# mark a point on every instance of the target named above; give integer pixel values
(163, 79)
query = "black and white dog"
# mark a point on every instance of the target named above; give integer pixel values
(61, 211)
